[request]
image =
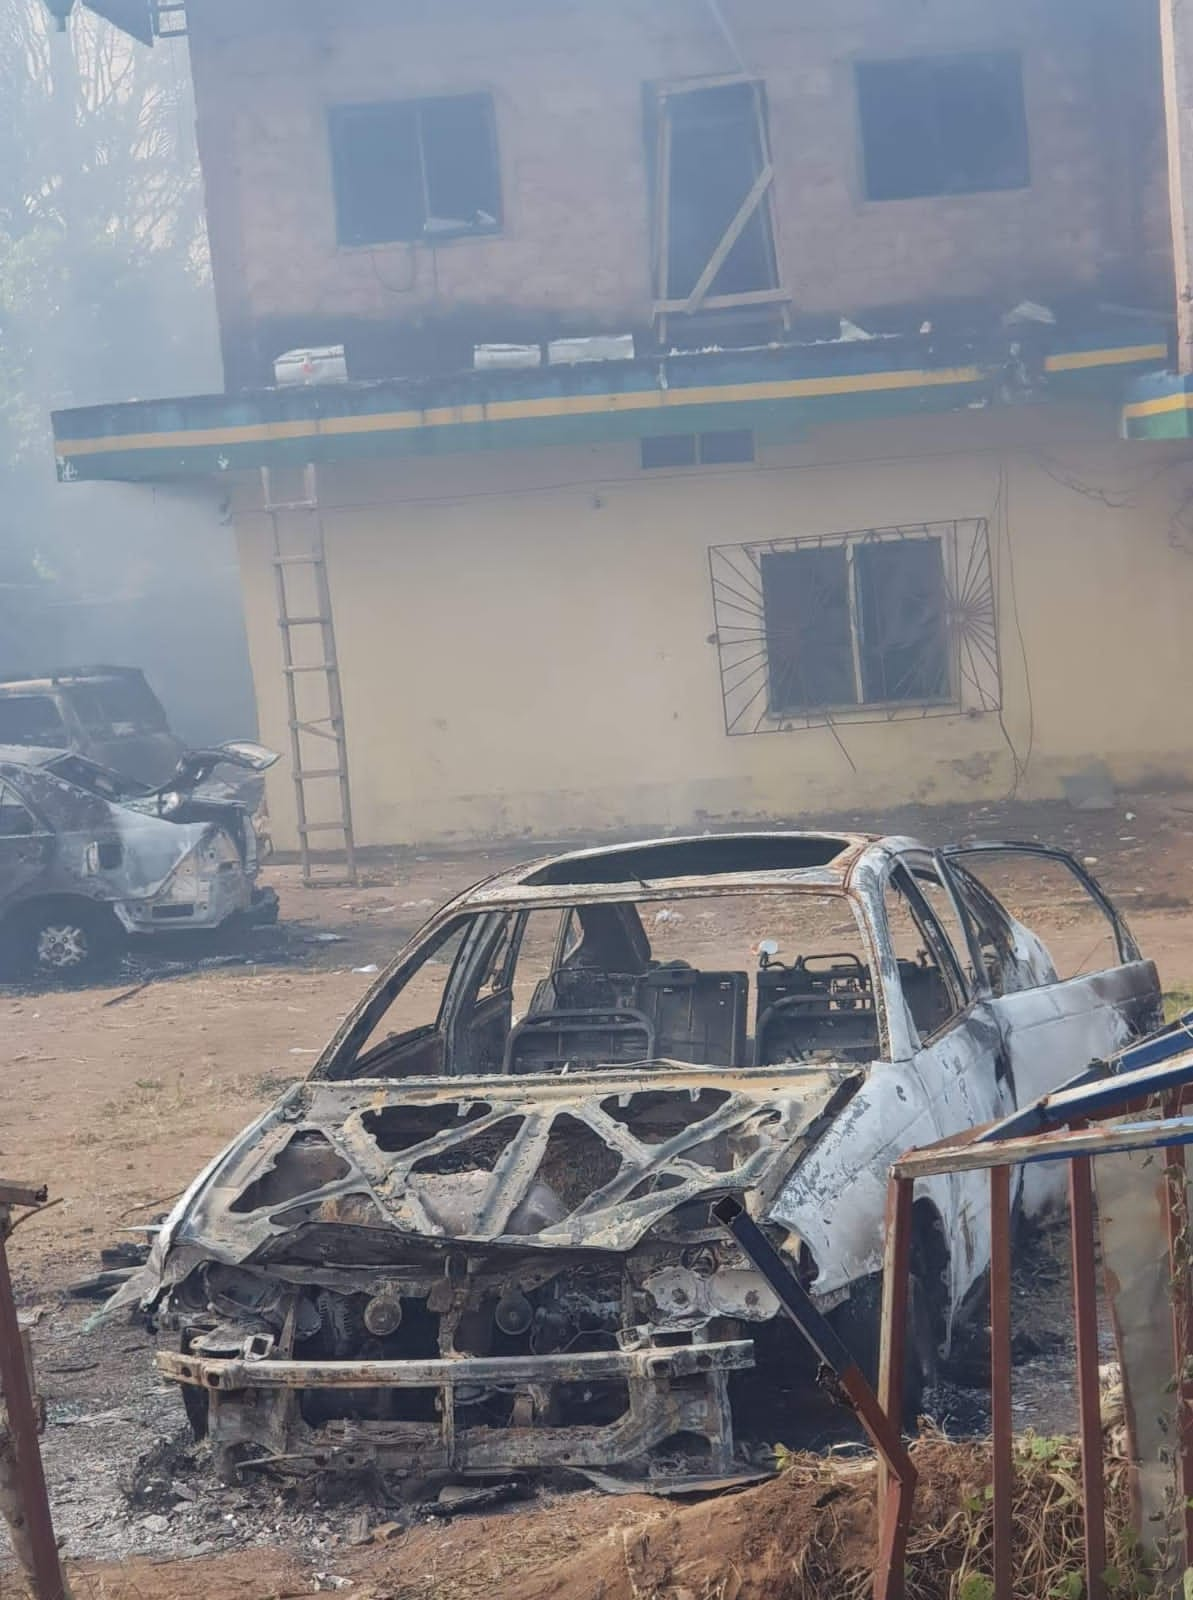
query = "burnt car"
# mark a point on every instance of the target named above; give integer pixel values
(478, 1237)
(108, 714)
(88, 857)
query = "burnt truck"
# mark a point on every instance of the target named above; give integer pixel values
(478, 1237)
(89, 856)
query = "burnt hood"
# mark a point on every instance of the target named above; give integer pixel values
(587, 1161)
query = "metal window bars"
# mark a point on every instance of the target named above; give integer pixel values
(744, 632)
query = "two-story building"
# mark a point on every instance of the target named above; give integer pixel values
(743, 409)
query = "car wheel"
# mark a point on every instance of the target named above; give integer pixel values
(66, 938)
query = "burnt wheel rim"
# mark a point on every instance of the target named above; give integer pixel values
(62, 946)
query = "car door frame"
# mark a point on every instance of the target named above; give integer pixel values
(960, 1066)
(1030, 1015)
(36, 849)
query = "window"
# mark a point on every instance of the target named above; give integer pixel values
(714, 237)
(855, 624)
(882, 622)
(405, 1037)
(16, 820)
(31, 720)
(942, 125)
(415, 169)
(703, 449)
(1032, 887)
(945, 910)
(929, 972)
(117, 705)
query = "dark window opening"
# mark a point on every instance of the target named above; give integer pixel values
(731, 445)
(16, 820)
(117, 705)
(809, 651)
(416, 169)
(943, 125)
(901, 610)
(31, 719)
(669, 450)
(858, 624)
(718, 150)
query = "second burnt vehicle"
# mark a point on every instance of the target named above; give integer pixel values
(89, 857)
(478, 1239)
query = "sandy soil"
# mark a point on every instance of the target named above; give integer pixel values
(116, 1095)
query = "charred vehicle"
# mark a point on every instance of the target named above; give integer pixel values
(108, 714)
(478, 1237)
(88, 857)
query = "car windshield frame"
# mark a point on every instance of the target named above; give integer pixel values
(356, 1034)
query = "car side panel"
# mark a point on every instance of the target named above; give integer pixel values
(835, 1199)
(1054, 1031)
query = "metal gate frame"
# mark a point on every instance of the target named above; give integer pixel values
(1053, 1128)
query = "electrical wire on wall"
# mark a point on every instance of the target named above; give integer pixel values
(411, 275)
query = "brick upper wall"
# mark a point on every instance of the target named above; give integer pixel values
(567, 79)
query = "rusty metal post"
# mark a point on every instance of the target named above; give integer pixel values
(36, 1530)
(1176, 1218)
(1085, 1313)
(896, 1500)
(1000, 1377)
(894, 1506)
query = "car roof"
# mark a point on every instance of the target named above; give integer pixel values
(720, 861)
(46, 682)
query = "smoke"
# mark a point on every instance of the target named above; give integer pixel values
(105, 294)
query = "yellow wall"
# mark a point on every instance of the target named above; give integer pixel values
(525, 637)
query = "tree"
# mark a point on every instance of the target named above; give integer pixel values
(104, 285)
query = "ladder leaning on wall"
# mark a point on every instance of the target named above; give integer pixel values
(314, 696)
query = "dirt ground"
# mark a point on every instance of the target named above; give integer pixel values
(116, 1095)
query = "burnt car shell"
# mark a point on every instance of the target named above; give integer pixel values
(461, 1272)
(87, 856)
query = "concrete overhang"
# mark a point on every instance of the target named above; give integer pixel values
(778, 391)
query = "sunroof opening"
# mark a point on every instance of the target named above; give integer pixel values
(689, 858)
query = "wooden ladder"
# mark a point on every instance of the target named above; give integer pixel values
(316, 712)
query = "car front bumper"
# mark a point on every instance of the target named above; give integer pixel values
(256, 1404)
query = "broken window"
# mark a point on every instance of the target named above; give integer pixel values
(1031, 887)
(407, 1038)
(415, 169)
(942, 125)
(729, 980)
(714, 233)
(930, 972)
(885, 620)
(703, 449)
